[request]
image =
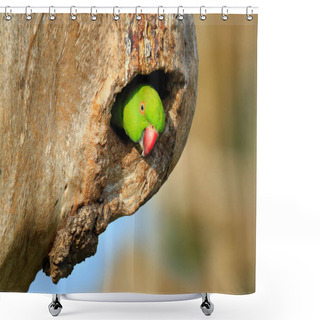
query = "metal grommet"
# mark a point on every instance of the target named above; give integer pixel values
(203, 12)
(180, 13)
(249, 17)
(116, 16)
(52, 10)
(160, 16)
(138, 16)
(6, 14)
(28, 13)
(224, 13)
(73, 16)
(93, 16)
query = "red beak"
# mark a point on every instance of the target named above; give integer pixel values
(150, 137)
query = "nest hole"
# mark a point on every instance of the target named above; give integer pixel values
(167, 84)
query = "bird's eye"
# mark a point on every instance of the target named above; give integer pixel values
(142, 107)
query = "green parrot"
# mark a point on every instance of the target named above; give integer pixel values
(139, 111)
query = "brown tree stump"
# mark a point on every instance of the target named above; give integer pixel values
(65, 174)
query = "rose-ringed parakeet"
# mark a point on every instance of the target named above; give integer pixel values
(139, 111)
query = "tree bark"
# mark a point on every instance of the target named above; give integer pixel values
(65, 173)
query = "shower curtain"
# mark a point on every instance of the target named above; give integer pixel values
(128, 153)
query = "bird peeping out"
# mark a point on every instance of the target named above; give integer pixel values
(139, 112)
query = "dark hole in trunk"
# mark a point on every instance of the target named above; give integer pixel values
(162, 82)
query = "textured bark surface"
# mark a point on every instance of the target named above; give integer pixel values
(65, 174)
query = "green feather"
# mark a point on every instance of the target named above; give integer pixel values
(126, 113)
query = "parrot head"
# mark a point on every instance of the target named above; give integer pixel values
(143, 117)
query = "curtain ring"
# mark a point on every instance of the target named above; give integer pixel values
(52, 10)
(138, 16)
(93, 16)
(28, 13)
(160, 16)
(180, 14)
(224, 13)
(116, 16)
(249, 17)
(73, 16)
(6, 14)
(203, 14)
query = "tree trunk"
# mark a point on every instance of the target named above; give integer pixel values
(65, 174)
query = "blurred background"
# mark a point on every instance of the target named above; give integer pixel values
(197, 234)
